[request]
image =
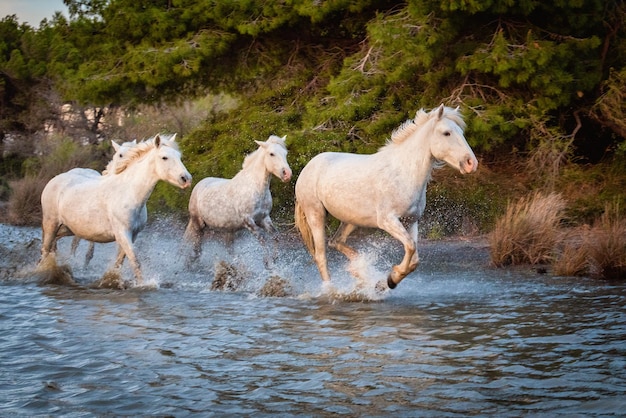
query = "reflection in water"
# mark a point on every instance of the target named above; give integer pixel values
(455, 339)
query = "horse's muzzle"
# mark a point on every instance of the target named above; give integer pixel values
(286, 175)
(468, 165)
(185, 181)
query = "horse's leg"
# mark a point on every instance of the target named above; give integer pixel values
(270, 229)
(395, 228)
(89, 254)
(49, 229)
(317, 224)
(415, 260)
(125, 242)
(193, 234)
(338, 240)
(260, 234)
(75, 242)
(119, 259)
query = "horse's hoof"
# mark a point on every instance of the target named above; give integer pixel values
(391, 283)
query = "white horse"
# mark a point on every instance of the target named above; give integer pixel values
(110, 208)
(377, 190)
(242, 202)
(118, 156)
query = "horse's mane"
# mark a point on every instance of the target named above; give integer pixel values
(401, 133)
(138, 151)
(273, 139)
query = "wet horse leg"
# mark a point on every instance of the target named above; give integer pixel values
(194, 234)
(338, 240)
(89, 254)
(260, 234)
(270, 229)
(317, 224)
(395, 228)
(126, 248)
(49, 232)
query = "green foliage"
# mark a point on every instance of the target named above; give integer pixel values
(331, 74)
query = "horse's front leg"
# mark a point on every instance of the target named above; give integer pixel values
(270, 229)
(409, 263)
(259, 233)
(126, 248)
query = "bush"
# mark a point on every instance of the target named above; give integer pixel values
(572, 255)
(528, 231)
(24, 206)
(606, 245)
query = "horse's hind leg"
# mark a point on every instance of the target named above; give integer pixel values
(338, 240)
(49, 231)
(317, 224)
(75, 242)
(89, 254)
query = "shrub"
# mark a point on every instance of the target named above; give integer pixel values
(573, 254)
(24, 206)
(606, 245)
(528, 231)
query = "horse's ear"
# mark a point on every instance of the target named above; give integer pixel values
(116, 146)
(134, 142)
(173, 137)
(440, 111)
(157, 141)
(261, 143)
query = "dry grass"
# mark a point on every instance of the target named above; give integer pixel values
(528, 231)
(573, 255)
(606, 245)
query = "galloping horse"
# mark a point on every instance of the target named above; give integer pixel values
(118, 157)
(377, 190)
(110, 208)
(242, 202)
(120, 152)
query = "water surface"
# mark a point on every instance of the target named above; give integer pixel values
(456, 338)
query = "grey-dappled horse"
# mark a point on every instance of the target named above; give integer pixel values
(244, 201)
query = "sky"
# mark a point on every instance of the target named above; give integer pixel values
(31, 11)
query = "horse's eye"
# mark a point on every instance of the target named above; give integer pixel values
(271, 154)
(164, 158)
(446, 133)
(121, 156)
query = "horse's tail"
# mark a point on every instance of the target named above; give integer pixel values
(304, 228)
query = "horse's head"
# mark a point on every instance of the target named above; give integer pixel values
(275, 157)
(118, 157)
(169, 166)
(447, 142)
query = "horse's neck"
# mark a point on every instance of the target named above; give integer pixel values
(413, 159)
(139, 180)
(255, 174)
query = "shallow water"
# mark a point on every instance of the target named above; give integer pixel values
(456, 338)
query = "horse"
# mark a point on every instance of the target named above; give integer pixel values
(118, 156)
(110, 208)
(243, 202)
(120, 152)
(378, 190)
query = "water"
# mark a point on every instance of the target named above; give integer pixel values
(454, 339)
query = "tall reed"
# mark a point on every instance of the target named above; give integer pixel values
(528, 231)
